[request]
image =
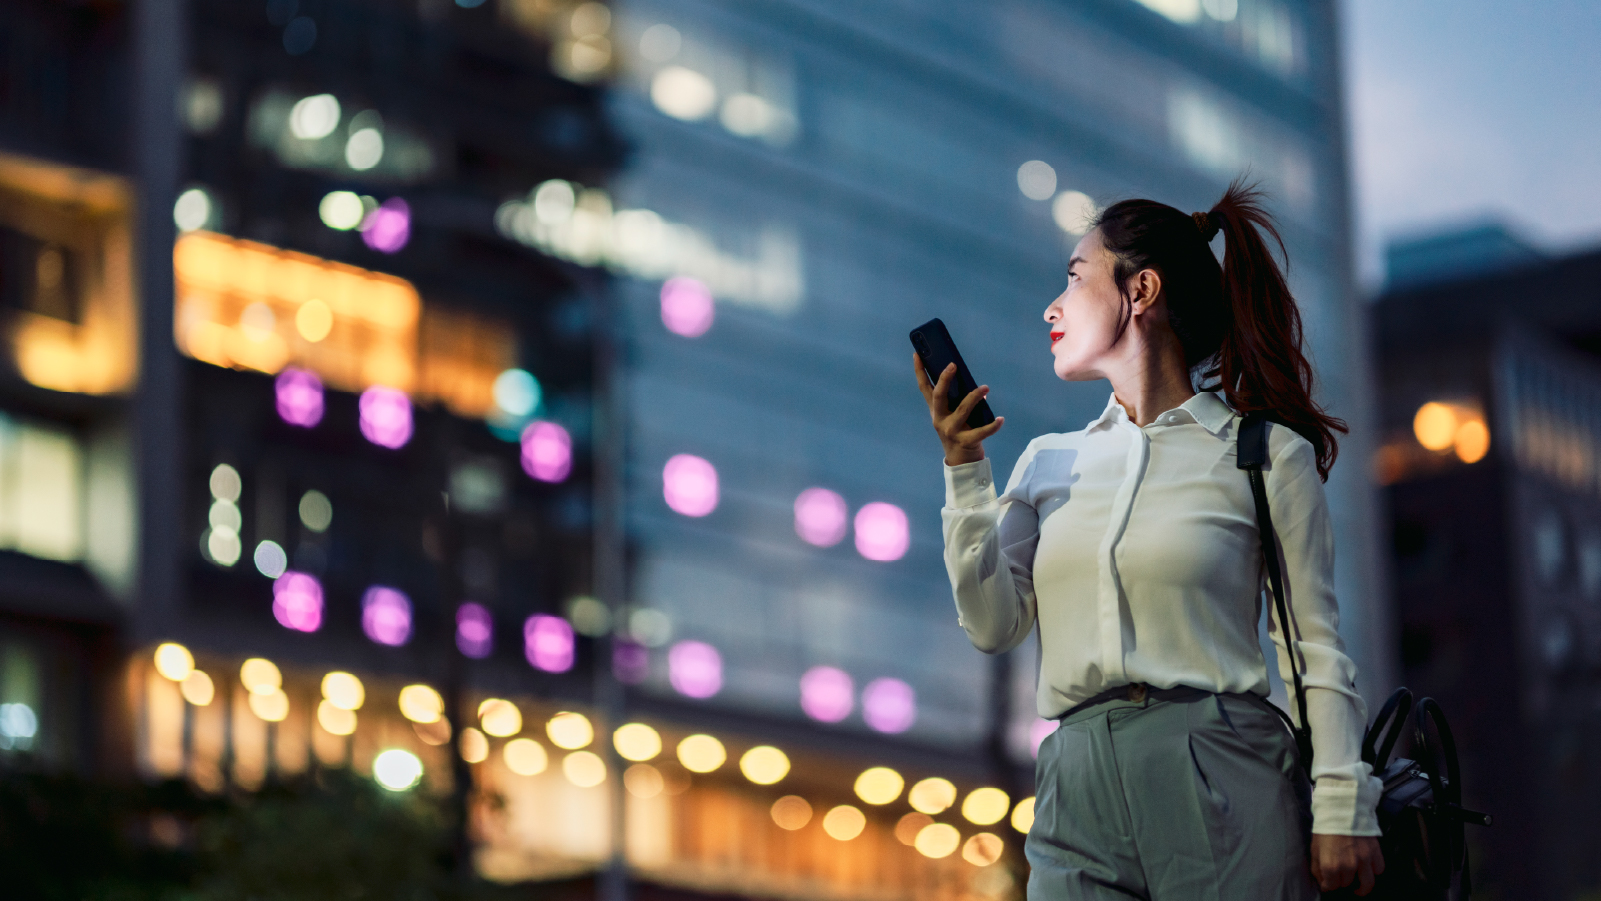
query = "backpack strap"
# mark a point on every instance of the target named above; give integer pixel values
(1251, 456)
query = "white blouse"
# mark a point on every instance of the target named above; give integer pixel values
(1137, 551)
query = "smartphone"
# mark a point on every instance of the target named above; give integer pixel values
(934, 347)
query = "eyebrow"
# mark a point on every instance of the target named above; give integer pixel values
(1075, 261)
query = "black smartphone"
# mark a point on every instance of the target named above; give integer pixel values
(934, 346)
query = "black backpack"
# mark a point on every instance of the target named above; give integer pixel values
(1420, 812)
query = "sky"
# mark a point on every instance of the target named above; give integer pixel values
(1470, 110)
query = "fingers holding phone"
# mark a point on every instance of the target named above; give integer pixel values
(962, 444)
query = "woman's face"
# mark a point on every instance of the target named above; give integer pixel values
(1084, 317)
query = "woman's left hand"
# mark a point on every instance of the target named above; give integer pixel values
(1337, 859)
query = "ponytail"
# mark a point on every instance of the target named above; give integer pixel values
(1238, 323)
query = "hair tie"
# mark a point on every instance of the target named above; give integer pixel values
(1208, 223)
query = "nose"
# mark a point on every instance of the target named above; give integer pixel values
(1053, 313)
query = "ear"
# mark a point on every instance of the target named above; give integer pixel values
(1145, 287)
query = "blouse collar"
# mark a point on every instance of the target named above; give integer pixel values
(1206, 408)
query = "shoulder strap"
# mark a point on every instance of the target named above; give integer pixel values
(1251, 456)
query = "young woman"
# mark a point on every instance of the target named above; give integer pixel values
(1133, 544)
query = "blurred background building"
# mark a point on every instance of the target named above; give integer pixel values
(1490, 401)
(537, 403)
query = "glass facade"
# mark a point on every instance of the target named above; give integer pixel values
(833, 175)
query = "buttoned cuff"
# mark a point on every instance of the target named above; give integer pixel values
(969, 485)
(1346, 807)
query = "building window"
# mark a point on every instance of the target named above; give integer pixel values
(41, 484)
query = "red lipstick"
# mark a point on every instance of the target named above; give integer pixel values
(1055, 337)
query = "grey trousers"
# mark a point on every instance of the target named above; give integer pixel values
(1182, 795)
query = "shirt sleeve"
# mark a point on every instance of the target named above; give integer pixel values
(989, 554)
(1345, 793)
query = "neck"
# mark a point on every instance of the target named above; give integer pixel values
(1153, 380)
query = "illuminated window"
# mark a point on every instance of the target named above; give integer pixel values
(71, 316)
(319, 132)
(41, 491)
(251, 306)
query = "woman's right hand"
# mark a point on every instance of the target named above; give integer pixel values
(962, 444)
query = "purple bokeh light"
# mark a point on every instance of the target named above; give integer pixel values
(388, 228)
(297, 601)
(475, 630)
(547, 451)
(695, 669)
(1038, 732)
(630, 661)
(299, 395)
(386, 615)
(827, 694)
(386, 416)
(548, 643)
(882, 532)
(687, 307)
(689, 485)
(889, 705)
(820, 517)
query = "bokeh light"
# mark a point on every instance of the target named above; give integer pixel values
(932, 795)
(764, 765)
(844, 823)
(364, 149)
(701, 753)
(907, 827)
(820, 517)
(791, 812)
(630, 661)
(570, 730)
(335, 720)
(683, 93)
(1074, 212)
(983, 849)
(386, 615)
(260, 676)
(1435, 425)
(388, 228)
(689, 485)
(271, 706)
(1023, 815)
(341, 210)
(937, 840)
(637, 742)
(500, 717)
(687, 306)
(525, 757)
(314, 320)
(882, 532)
(316, 511)
(271, 560)
(584, 769)
(397, 770)
(193, 209)
(827, 694)
(1472, 441)
(344, 690)
(421, 704)
(475, 630)
(879, 785)
(474, 746)
(889, 705)
(198, 689)
(643, 781)
(173, 661)
(695, 669)
(314, 117)
(1036, 179)
(548, 643)
(386, 416)
(517, 393)
(547, 451)
(225, 483)
(986, 806)
(299, 397)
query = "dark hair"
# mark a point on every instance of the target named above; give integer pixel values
(1237, 321)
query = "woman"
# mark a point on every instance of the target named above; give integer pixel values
(1133, 543)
